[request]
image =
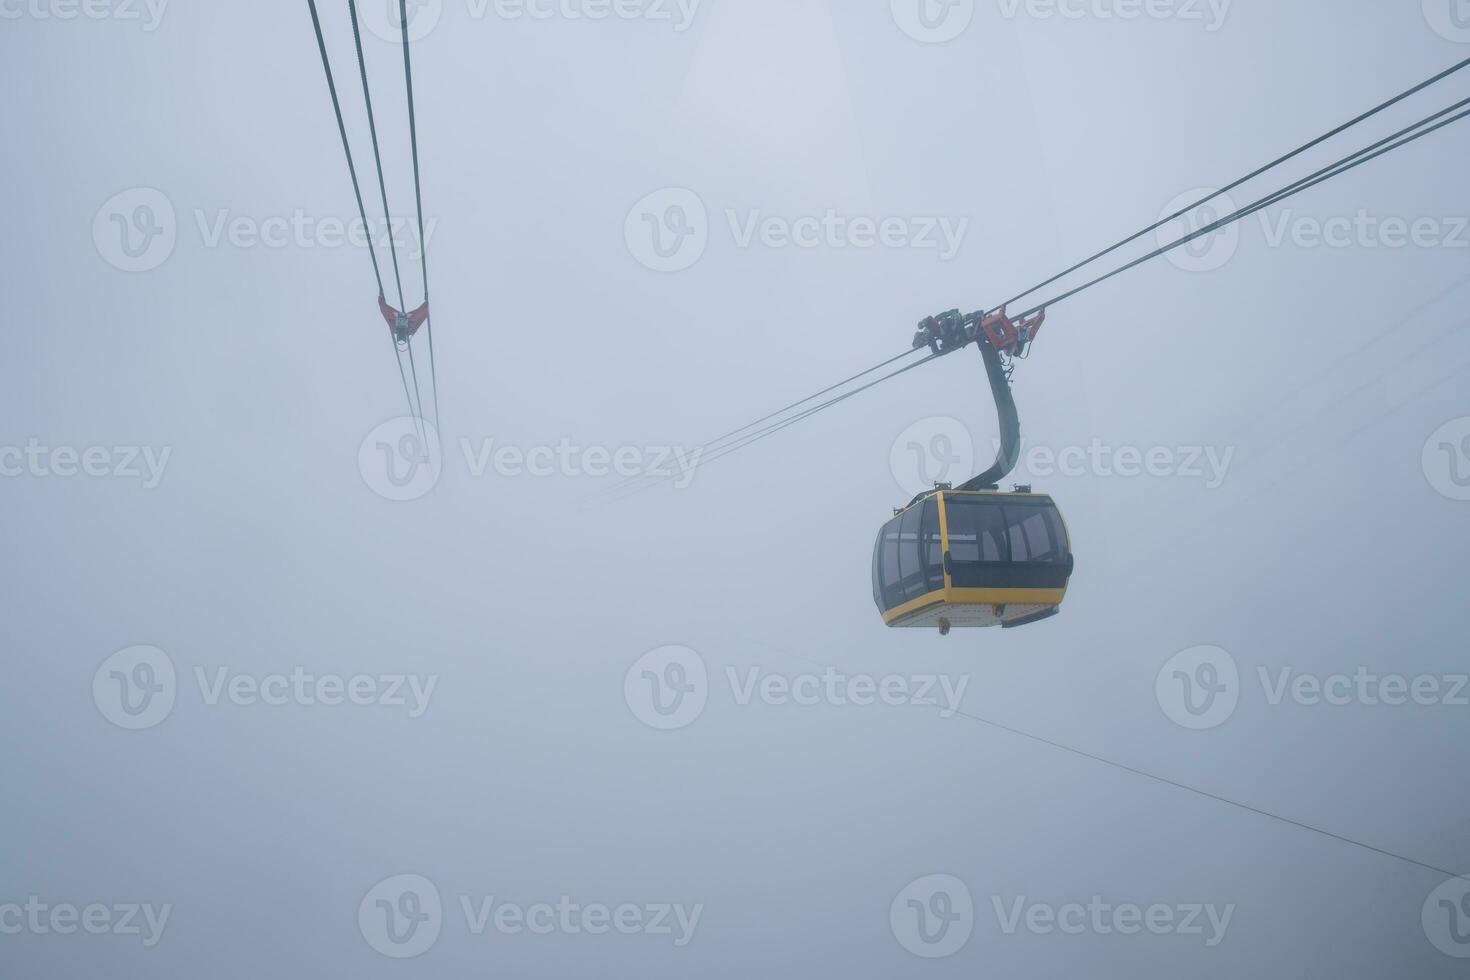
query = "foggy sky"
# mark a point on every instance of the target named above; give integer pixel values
(1327, 540)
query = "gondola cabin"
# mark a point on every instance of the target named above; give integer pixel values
(972, 558)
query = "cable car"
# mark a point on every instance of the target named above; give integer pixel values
(975, 556)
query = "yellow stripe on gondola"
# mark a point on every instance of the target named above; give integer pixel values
(1007, 597)
(976, 597)
(915, 605)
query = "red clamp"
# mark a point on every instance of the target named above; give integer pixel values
(1012, 336)
(403, 325)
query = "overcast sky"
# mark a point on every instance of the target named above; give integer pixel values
(317, 708)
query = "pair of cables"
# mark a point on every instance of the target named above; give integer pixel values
(411, 392)
(769, 425)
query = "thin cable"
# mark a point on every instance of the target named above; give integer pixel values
(1132, 770)
(418, 193)
(778, 426)
(342, 129)
(321, 43)
(1362, 156)
(798, 404)
(1348, 163)
(1273, 410)
(1247, 178)
(415, 369)
(1206, 794)
(367, 98)
(1342, 166)
(714, 443)
(417, 406)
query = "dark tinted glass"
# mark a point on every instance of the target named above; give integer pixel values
(1035, 533)
(888, 564)
(1006, 542)
(976, 529)
(910, 554)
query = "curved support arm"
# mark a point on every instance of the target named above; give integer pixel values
(1009, 417)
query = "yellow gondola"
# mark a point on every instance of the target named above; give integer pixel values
(973, 555)
(972, 558)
